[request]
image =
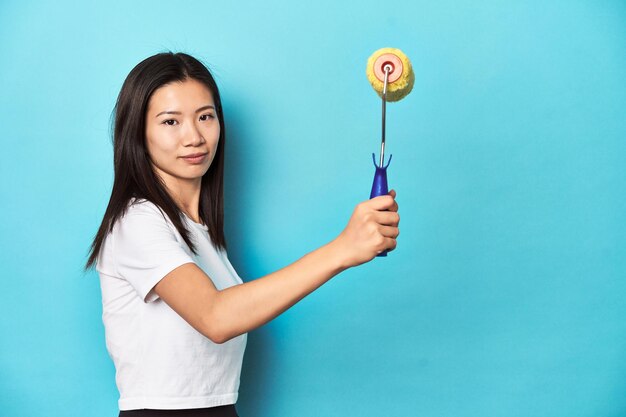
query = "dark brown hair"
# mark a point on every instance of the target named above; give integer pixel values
(134, 175)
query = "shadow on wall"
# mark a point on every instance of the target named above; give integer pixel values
(257, 378)
(256, 375)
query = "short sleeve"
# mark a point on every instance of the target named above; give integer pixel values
(145, 249)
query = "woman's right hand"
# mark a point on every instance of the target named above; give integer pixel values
(372, 229)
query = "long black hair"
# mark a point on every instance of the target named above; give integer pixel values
(134, 175)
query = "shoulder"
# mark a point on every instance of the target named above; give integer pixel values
(139, 208)
(144, 225)
(142, 231)
(142, 206)
(140, 219)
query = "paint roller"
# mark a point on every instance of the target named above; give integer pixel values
(391, 75)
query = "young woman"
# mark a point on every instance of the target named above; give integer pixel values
(175, 311)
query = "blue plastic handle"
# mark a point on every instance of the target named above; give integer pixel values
(379, 186)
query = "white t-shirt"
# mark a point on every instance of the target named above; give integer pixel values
(162, 362)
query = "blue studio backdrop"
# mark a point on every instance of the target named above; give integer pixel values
(506, 295)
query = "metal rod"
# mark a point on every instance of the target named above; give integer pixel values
(387, 68)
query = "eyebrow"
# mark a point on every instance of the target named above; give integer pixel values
(177, 112)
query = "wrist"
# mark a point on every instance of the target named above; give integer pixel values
(337, 255)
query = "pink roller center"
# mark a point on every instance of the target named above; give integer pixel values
(391, 60)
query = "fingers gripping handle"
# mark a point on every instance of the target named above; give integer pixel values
(379, 186)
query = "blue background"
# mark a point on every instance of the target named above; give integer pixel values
(507, 293)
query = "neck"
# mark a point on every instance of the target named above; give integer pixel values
(188, 200)
(186, 194)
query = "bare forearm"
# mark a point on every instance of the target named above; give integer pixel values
(222, 315)
(245, 307)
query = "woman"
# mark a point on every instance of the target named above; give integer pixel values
(175, 311)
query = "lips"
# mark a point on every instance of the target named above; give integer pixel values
(196, 158)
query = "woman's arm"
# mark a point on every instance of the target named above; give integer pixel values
(222, 315)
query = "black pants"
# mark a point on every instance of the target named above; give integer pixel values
(222, 411)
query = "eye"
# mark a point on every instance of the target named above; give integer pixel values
(170, 122)
(206, 117)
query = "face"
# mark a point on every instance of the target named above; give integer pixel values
(182, 132)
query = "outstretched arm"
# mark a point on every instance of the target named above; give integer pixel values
(222, 315)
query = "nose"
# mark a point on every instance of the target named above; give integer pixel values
(193, 137)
